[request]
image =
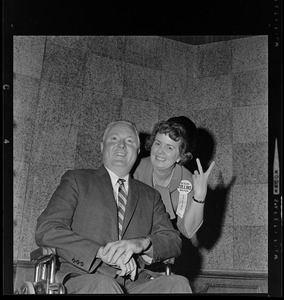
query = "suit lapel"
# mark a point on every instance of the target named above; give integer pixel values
(109, 202)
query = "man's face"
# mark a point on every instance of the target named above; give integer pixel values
(120, 149)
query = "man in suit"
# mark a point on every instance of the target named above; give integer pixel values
(81, 223)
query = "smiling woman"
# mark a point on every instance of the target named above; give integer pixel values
(164, 153)
(171, 145)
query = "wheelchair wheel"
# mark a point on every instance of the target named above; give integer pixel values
(61, 289)
(39, 288)
(27, 288)
(56, 288)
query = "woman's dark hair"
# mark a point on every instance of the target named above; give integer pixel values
(178, 128)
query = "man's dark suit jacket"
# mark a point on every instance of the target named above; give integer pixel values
(81, 216)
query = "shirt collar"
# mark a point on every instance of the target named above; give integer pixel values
(114, 178)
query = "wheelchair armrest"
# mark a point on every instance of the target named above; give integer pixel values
(168, 265)
(170, 261)
(41, 252)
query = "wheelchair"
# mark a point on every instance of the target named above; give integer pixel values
(45, 279)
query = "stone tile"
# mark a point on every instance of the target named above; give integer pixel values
(173, 89)
(56, 144)
(250, 163)
(19, 192)
(228, 216)
(250, 88)
(250, 204)
(189, 100)
(218, 122)
(144, 114)
(145, 51)
(64, 65)
(177, 58)
(222, 173)
(24, 109)
(104, 75)
(28, 55)
(250, 124)
(88, 151)
(71, 41)
(27, 239)
(213, 92)
(213, 59)
(142, 83)
(25, 100)
(191, 62)
(22, 140)
(107, 46)
(42, 182)
(99, 109)
(59, 104)
(220, 256)
(20, 173)
(172, 110)
(250, 248)
(25, 106)
(249, 53)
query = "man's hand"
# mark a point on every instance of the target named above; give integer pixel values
(129, 269)
(125, 269)
(114, 250)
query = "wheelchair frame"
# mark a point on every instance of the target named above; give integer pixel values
(45, 281)
(44, 277)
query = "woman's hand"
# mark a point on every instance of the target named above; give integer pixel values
(200, 180)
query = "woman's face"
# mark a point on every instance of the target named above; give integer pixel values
(164, 152)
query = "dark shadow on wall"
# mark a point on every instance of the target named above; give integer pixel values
(204, 150)
(189, 263)
(143, 152)
(214, 213)
(216, 199)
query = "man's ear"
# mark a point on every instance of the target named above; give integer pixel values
(102, 146)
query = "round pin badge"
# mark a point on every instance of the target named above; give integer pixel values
(185, 186)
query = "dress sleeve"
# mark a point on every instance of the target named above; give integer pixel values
(180, 221)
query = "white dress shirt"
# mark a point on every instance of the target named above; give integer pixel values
(115, 184)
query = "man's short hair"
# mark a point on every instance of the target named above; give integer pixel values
(131, 124)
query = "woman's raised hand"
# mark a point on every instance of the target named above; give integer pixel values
(200, 180)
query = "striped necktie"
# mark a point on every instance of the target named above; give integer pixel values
(121, 204)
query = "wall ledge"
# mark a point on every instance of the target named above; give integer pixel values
(234, 274)
(230, 282)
